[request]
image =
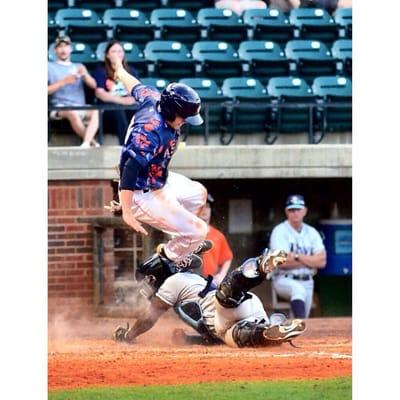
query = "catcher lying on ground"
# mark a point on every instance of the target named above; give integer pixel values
(229, 313)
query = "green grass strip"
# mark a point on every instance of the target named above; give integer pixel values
(323, 389)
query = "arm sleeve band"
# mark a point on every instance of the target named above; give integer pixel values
(130, 173)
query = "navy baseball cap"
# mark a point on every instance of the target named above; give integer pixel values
(295, 201)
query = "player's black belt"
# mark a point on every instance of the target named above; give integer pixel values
(298, 277)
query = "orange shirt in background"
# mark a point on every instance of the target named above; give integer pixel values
(220, 252)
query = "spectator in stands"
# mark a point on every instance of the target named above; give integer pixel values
(216, 262)
(306, 253)
(112, 91)
(240, 6)
(65, 88)
(328, 5)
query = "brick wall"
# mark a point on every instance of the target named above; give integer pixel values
(70, 244)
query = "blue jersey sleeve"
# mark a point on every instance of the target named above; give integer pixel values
(143, 93)
(142, 147)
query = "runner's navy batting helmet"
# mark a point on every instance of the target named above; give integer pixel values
(180, 99)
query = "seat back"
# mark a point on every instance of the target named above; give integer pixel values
(159, 83)
(244, 88)
(314, 24)
(268, 24)
(146, 6)
(291, 90)
(124, 17)
(249, 116)
(129, 25)
(216, 60)
(336, 89)
(307, 50)
(263, 59)
(175, 24)
(333, 87)
(190, 5)
(342, 50)
(289, 87)
(221, 24)
(81, 17)
(214, 51)
(344, 18)
(169, 59)
(206, 88)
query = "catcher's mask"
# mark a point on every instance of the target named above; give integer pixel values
(155, 270)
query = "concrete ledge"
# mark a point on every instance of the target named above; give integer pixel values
(213, 162)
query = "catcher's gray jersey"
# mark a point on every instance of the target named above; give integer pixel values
(184, 287)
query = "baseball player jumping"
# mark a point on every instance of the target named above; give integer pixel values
(229, 313)
(150, 194)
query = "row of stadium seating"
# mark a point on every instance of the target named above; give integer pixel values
(285, 105)
(217, 60)
(125, 24)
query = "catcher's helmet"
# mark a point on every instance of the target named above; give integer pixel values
(180, 99)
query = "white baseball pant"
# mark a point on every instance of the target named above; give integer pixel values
(173, 209)
(291, 289)
(226, 318)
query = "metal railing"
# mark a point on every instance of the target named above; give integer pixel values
(229, 118)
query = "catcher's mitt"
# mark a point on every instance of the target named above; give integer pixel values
(270, 261)
(119, 334)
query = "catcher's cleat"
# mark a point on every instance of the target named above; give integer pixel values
(285, 333)
(119, 333)
(204, 246)
(268, 262)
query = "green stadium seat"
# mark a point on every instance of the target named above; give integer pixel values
(268, 24)
(249, 115)
(310, 59)
(159, 83)
(334, 89)
(212, 109)
(133, 54)
(342, 50)
(263, 59)
(129, 25)
(190, 5)
(175, 24)
(52, 29)
(314, 24)
(221, 24)
(216, 60)
(290, 91)
(81, 53)
(344, 18)
(98, 5)
(82, 25)
(169, 59)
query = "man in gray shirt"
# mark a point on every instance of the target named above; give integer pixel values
(65, 88)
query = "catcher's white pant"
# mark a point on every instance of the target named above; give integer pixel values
(291, 289)
(226, 318)
(173, 209)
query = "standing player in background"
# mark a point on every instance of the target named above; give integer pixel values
(217, 261)
(148, 192)
(306, 253)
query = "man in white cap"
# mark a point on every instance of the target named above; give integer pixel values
(293, 280)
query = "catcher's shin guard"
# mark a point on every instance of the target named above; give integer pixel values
(256, 334)
(232, 291)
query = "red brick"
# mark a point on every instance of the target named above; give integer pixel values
(55, 243)
(63, 250)
(80, 243)
(75, 257)
(55, 258)
(56, 228)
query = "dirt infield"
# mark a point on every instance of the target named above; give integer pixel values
(80, 355)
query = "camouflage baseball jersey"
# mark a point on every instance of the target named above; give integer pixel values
(149, 140)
